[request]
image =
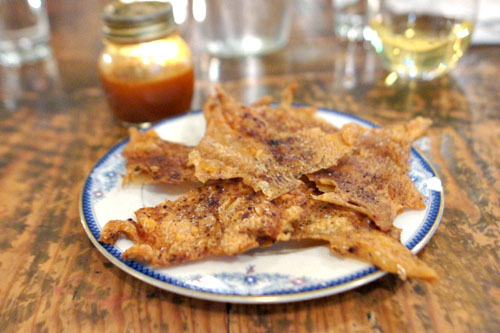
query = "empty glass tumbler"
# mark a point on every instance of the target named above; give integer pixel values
(24, 31)
(350, 19)
(243, 27)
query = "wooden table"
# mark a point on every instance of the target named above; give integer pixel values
(55, 125)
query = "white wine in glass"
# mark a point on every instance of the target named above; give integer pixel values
(421, 43)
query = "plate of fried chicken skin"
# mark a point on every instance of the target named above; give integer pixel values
(270, 202)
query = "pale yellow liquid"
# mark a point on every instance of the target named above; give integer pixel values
(423, 49)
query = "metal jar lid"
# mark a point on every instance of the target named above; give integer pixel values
(139, 21)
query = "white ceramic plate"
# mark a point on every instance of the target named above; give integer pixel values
(285, 272)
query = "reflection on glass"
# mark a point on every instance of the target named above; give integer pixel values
(350, 19)
(180, 8)
(214, 70)
(355, 67)
(30, 81)
(10, 88)
(199, 10)
(253, 70)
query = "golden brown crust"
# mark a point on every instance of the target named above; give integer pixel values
(150, 159)
(352, 234)
(229, 218)
(221, 218)
(373, 179)
(268, 148)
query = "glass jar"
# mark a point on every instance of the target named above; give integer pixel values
(146, 68)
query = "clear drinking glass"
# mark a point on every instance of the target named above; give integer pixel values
(350, 19)
(421, 39)
(24, 31)
(232, 28)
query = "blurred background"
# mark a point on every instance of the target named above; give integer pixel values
(314, 44)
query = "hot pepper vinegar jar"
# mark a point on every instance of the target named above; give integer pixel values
(145, 68)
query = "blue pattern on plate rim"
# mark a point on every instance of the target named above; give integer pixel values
(111, 168)
(106, 176)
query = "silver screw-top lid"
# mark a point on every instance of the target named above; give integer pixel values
(139, 21)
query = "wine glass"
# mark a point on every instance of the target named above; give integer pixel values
(421, 39)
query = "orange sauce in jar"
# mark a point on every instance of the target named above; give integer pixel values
(148, 101)
(146, 67)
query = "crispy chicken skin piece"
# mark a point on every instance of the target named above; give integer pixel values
(150, 159)
(229, 218)
(220, 218)
(374, 179)
(266, 147)
(353, 234)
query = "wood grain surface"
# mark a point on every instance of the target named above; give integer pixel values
(55, 125)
